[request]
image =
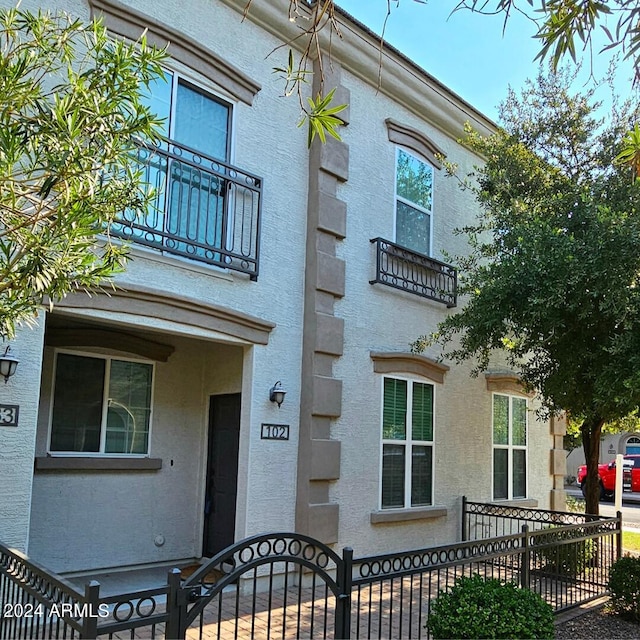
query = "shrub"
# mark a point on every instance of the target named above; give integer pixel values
(624, 587)
(575, 505)
(479, 608)
(568, 559)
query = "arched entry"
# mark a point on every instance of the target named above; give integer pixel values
(632, 445)
(283, 581)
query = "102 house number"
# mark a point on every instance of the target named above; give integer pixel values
(274, 432)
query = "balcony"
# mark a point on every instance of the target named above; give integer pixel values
(415, 273)
(205, 209)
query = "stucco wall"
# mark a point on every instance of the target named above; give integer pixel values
(264, 142)
(85, 520)
(17, 443)
(380, 319)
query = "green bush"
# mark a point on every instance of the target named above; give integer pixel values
(568, 559)
(624, 587)
(479, 608)
(575, 505)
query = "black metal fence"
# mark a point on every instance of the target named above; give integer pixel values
(481, 520)
(36, 603)
(204, 209)
(272, 586)
(401, 268)
(290, 586)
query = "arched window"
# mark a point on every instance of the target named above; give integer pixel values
(632, 445)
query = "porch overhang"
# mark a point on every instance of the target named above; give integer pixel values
(147, 302)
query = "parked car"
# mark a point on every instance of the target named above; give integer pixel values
(607, 476)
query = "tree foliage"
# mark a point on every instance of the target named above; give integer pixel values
(573, 437)
(553, 275)
(567, 27)
(319, 113)
(70, 120)
(563, 27)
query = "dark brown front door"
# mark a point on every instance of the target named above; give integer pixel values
(222, 473)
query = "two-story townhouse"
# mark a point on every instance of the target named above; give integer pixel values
(146, 429)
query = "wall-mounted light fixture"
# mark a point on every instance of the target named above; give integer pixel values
(277, 393)
(8, 364)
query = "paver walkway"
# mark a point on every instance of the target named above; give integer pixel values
(396, 608)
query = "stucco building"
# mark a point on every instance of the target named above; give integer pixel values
(145, 430)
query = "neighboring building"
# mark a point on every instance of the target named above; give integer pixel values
(147, 409)
(611, 444)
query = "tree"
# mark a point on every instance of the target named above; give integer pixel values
(567, 27)
(573, 437)
(70, 120)
(553, 277)
(563, 27)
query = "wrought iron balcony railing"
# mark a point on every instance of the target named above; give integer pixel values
(205, 209)
(403, 269)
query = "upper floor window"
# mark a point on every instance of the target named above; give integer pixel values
(192, 116)
(509, 447)
(414, 202)
(204, 208)
(100, 405)
(191, 207)
(407, 444)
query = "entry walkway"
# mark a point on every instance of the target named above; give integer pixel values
(394, 608)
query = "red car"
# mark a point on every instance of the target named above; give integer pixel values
(607, 476)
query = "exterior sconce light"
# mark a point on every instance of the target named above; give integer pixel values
(8, 364)
(277, 393)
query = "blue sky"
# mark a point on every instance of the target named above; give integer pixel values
(466, 52)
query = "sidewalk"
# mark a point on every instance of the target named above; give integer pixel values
(627, 496)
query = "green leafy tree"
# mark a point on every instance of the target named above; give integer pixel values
(552, 279)
(573, 438)
(563, 27)
(567, 27)
(70, 120)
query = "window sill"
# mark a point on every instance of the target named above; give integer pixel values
(90, 463)
(522, 502)
(405, 515)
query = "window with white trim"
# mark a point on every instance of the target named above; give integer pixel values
(407, 444)
(414, 202)
(509, 447)
(192, 198)
(101, 405)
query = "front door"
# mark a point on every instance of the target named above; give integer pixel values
(222, 473)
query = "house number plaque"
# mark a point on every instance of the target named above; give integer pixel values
(274, 432)
(9, 415)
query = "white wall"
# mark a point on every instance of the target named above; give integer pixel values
(267, 143)
(17, 444)
(378, 318)
(87, 520)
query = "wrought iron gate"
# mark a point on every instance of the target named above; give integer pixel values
(302, 587)
(287, 585)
